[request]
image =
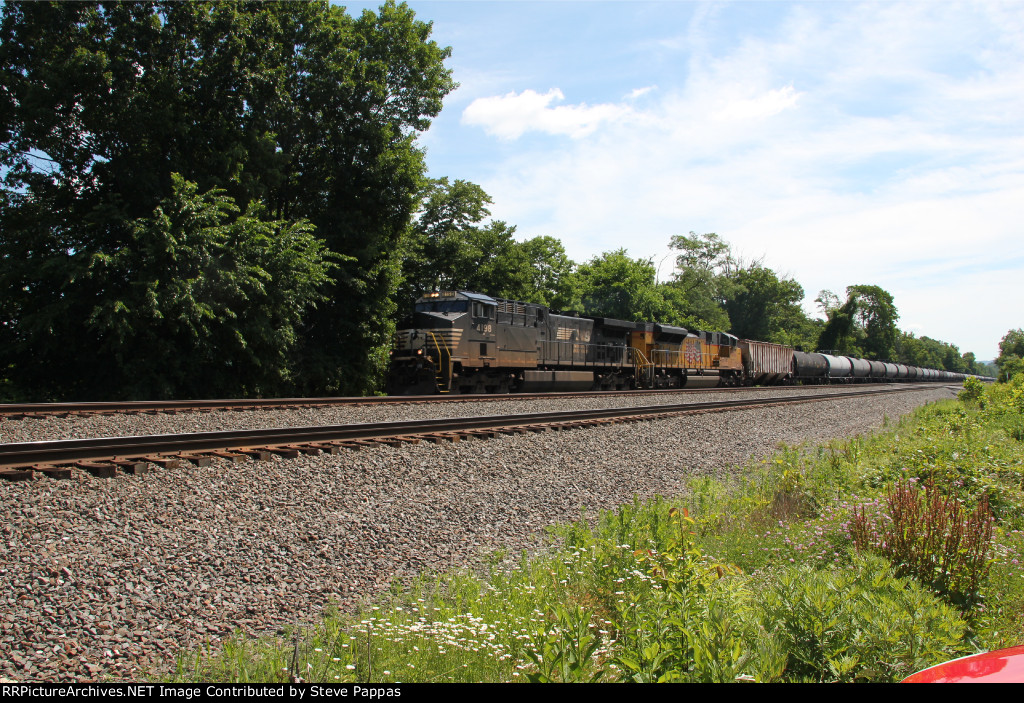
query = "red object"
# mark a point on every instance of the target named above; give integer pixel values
(1000, 666)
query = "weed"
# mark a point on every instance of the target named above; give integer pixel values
(931, 537)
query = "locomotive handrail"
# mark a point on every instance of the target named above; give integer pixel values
(445, 376)
(644, 366)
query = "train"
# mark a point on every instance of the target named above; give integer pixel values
(461, 342)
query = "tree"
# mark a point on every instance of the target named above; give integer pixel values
(451, 246)
(614, 285)
(553, 282)
(876, 315)
(211, 299)
(970, 363)
(1011, 343)
(865, 325)
(1011, 353)
(442, 251)
(931, 354)
(299, 116)
(705, 252)
(703, 280)
(765, 307)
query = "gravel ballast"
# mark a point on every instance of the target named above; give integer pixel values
(111, 577)
(125, 425)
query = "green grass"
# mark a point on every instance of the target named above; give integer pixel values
(758, 579)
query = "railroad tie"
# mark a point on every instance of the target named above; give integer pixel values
(254, 454)
(233, 457)
(99, 470)
(130, 466)
(164, 462)
(52, 471)
(196, 459)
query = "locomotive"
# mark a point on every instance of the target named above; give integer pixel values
(465, 342)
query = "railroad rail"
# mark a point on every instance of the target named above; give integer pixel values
(16, 411)
(106, 456)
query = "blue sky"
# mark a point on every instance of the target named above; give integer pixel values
(844, 143)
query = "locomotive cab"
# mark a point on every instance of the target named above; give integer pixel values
(450, 331)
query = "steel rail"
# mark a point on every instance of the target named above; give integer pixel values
(147, 406)
(14, 410)
(69, 451)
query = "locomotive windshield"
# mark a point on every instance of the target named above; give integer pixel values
(443, 306)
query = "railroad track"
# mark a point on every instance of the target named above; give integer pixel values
(18, 411)
(106, 456)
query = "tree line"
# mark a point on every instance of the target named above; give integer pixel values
(453, 245)
(228, 199)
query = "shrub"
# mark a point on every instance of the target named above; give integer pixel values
(860, 623)
(931, 537)
(973, 392)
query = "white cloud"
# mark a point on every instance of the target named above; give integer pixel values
(509, 116)
(639, 92)
(765, 105)
(871, 144)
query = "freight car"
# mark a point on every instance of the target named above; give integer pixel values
(464, 342)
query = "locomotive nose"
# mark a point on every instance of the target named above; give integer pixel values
(436, 320)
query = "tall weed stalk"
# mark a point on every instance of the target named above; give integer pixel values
(933, 538)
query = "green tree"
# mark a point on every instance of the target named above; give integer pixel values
(1011, 343)
(441, 251)
(552, 274)
(452, 246)
(932, 354)
(1011, 352)
(614, 285)
(865, 325)
(295, 112)
(703, 281)
(211, 299)
(970, 363)
(765, 307)
(876, 315)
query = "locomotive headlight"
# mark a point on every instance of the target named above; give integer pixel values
(419, 352)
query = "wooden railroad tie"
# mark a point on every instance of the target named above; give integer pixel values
(196, 459)
(58, 472)
(97, 469)
(130, 466)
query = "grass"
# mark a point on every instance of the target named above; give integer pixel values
(790, 574)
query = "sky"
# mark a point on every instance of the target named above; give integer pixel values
(841, 143)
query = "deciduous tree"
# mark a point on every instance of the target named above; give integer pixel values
(285, 118)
